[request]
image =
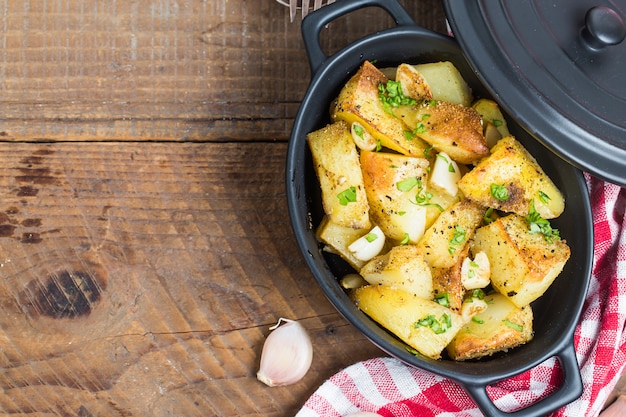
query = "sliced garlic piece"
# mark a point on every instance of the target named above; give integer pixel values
(476, 273)
(287, 354)
(445, 174)
(362, 138)
(472, 307)
(368, 246)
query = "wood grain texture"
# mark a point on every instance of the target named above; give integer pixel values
(142, 280)
(145, 246)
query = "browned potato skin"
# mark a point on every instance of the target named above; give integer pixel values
(436, 240)
(475, 340)
(358, 101)
(511, 165)
(523, 265)
(397, 311)
(336, 163)
(452, 128)
(448, 281)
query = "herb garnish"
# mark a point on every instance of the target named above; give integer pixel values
(457, 238)
(347, 196)
(540, 225)
(499, 192)
(438, 326)
(391, 95)
(514, 326)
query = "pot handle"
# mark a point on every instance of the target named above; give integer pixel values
(313, 23)
(570, 390)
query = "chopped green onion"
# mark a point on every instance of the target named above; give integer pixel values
(347, 196)
(499, 192)
(514, 326)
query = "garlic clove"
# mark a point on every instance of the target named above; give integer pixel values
(445, 174)
(476, 273)
(368, 246)
(362, 138)
(287, 354)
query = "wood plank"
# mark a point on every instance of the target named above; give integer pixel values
(140, 71)
(142, 280)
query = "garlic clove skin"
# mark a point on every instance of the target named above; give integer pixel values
(287, 354)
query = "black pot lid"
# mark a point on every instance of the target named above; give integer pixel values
(558, 68)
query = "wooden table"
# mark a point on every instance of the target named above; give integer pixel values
(145, 246)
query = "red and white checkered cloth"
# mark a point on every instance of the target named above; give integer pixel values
(390, 388)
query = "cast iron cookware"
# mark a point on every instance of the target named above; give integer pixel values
(557, 67)
(556, 312)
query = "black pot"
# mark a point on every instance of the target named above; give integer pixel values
(556, 312)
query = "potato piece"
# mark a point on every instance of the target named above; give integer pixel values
(443, 243)
(338, 238)
(490, 113)
(512, 168)
(402, 267)
(448, 127)
(359, 101)
(338, 169)
(499, 327)
(392, 182)
(446, 82)
(422, 324)
(523, 264)
(414, 85)
(448, 283)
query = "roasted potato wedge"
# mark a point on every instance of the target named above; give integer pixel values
(338, 169)
(359, 101)
(402, 267)
(523, 264)
(511, 180)
(446, 82)
(501, 326)
(443, 243)
(452, 128)
(392, 182)
(423, 324)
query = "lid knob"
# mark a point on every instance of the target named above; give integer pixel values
(603, 27)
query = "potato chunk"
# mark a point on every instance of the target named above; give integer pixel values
(451, 128)
(424, 325)
(338, 169)
(338, 238)
(446, 82)
(444, 241)
(500, 326)
(359, 101)
(518, 180)
(448, 283)
(392, 182)
(523, 264)
(402, 267)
